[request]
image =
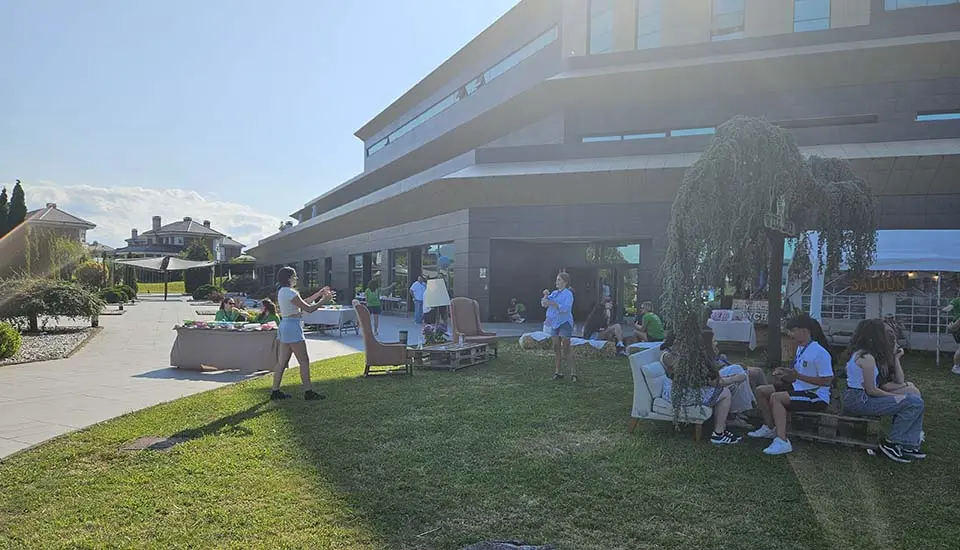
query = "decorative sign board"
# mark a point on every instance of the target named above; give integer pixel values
(754, 310)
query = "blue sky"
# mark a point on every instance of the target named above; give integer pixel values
(247, 106)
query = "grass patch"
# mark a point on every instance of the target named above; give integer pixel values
(173, 287)
(498, 451)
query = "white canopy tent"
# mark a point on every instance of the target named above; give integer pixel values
(930, 250)
(165, 265)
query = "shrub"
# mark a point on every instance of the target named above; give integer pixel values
(130, 281)
(128, 291)
(10, 340)
(215, 296)
(243, 285)
(114, 295)
(193, 279)
(27, 299)
(91, 274)
(203, 292)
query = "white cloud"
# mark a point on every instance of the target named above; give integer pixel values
(116, 210)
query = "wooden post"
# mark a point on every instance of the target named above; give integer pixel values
(165, 280)
(774, 298)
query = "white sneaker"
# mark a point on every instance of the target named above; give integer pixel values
(763, 432)
(778, 447)
(955, 369)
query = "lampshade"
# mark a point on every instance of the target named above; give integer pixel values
(436, 294)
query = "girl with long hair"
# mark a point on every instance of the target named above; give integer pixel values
(559, 322)
(876, 358)
(292, 340)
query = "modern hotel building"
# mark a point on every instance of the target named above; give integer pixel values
(558, 137)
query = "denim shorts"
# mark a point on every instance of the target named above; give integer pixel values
(565, 330)
(291, 331)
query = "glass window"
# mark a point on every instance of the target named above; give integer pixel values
(356, 273)
(891, 5)
(937, 117)
(311, 274)
(649, 23)
(376, 264)
(601, 26)
(728, 18)
(811, 15)
(601, 139)
(400, 273)
(651, 135)
(469, 88)
(693, 132)
(328, 271)
(437, 261)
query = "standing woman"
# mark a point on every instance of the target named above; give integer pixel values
(292, 341)
(559, 304)
(372, 296)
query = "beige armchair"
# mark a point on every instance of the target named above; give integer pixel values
(648, 375)
(380, 358)
(465, 320)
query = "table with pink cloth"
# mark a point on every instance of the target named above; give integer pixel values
(245, 351)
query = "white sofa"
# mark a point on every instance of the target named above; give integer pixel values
(648, 375)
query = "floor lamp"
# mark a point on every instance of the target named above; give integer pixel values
(436, 295)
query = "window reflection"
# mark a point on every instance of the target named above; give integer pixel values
(811, 15)
(649, 23)
(891, 5)
(601, 26)
(727, 22)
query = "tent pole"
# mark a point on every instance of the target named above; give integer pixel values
(165, 280)
(939, 276)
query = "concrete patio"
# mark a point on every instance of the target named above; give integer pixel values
(127, 368)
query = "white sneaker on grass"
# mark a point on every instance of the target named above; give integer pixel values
(778, 447)
(955, 369)
(763, 432)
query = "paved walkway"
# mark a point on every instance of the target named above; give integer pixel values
(127, 368)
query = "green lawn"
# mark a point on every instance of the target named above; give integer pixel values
(174, 287)
(498, 451)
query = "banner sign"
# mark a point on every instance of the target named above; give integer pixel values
(754, 310)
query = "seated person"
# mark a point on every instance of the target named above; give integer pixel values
(649, 328)
(598, 326)
(810, 380)
(516, 311)
(717, 394)
(868, 365)
(228, 313)
(894, 380)
(268, 313)
(755, 375)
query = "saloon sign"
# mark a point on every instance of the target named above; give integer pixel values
(879, 284)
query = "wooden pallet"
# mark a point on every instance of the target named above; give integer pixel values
(824, 427)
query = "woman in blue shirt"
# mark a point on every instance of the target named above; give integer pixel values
(559, 304)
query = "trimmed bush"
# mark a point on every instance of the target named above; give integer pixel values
(203, 292)
(113, 295)
(91, 274)
(10, 340)
(28, 299)
(128, 291)
(243, 285)
(215, 296)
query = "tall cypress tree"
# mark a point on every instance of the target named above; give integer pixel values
(18, 207)
(4, 211)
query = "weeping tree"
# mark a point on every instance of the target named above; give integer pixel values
(750, 190)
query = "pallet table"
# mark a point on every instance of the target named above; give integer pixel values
(823, 427)
(450, 357)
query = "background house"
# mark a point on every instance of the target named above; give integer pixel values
(28, 246)
(173, 238)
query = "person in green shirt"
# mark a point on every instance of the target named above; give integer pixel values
(372, 295)
(228, 312)
(268, 313)
(650, 327)
(953, 308)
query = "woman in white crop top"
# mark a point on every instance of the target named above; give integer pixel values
(290, 332)
(868, 370)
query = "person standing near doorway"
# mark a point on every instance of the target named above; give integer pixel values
(417, 290)
(559, 305)
(290, 334)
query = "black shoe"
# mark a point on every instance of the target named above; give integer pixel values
(557, 376)
(725, 438)
(311, 395)
(894, 452)
(573, 378)
(277, 394)
(913, 454)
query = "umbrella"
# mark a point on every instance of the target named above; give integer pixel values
(165, 265)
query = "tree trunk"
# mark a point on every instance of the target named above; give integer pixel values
(774, 298)
(34, 323)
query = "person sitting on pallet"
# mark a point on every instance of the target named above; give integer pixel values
(869, 364)
(740, 379)
(810, 380)
(717, 395)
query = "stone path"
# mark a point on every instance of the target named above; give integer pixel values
(127, 368)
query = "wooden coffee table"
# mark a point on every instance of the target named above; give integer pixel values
(449, 356)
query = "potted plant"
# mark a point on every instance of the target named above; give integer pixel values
(434, 334)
